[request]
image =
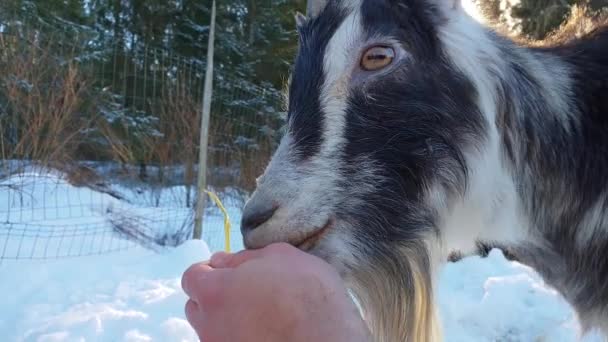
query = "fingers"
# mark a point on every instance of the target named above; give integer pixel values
(192, 275)
(204, 284)
(196, 318)
(225, 260)
(218, 258)
(193, 313)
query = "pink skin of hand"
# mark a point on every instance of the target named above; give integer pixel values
(274, 294)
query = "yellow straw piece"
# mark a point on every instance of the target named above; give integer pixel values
(226, 219)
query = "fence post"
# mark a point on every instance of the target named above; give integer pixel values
(204, 133)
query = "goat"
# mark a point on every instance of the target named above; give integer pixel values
(414, 131)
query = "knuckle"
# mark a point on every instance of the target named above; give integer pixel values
(192, 275)
(187, 280)
(219, 258)
(191, 311)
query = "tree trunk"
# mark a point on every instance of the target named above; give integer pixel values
(117, 10)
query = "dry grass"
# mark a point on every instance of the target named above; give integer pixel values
(546, 22)
(249, 160)
(253, 162)
(48, 100)
(43, 98)
(179, 117)
(581, 21)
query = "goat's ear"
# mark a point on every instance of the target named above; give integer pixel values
(315, 7)
(300, 20)
(448, 5)
(447, 9)
(453, 4)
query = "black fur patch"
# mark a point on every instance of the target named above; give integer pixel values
(582, 165)
(305, 113)
(413, 122)
(561, 166)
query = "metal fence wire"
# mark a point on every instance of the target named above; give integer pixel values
(99, 144)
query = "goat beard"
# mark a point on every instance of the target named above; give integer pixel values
(396, 295)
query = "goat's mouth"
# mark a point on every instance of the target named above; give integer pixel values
(310, 241)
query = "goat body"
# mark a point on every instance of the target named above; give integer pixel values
(449, 137)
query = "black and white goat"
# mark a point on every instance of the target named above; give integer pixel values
(415, 131)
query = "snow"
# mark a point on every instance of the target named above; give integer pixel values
(134, 293)
(42, 216)
(493, 299)
(126, 296)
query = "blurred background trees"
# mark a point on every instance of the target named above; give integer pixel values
(256, 38)
(536, 19)
(121, 80)
(140, 67)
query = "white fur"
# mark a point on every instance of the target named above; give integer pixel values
(467, 44)
(556, 78)
(338, 66)
(491, 199)
(307, 192)
(489, 210)
(594, 222)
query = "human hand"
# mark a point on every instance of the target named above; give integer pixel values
(277, 293)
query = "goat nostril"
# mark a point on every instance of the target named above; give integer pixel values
(255, 218)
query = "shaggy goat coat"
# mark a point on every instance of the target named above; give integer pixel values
(414, 131)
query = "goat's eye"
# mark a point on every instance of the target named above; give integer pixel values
(377, 58)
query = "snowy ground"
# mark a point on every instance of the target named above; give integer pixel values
(126, 296)
(133, 294)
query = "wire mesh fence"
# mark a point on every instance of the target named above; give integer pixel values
(99, 144)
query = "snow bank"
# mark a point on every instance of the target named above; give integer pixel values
(130, 296)
(44, 216)
(492, 299)
(135, 294)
